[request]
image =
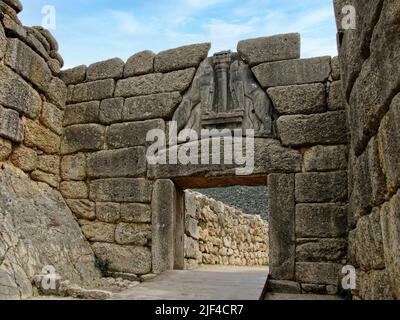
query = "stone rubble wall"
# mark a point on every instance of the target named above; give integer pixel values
(36, 226)
(216, 233)
(369, 63)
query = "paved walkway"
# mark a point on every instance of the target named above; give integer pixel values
(205, 283)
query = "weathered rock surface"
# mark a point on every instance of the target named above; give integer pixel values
(37, 229)
(139, 64)
(270, 49)
(112, 68)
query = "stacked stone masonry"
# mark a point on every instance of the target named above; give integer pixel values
(219, 234)
(369, 63)
(81, 135)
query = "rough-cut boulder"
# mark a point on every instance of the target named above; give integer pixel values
(37, 229)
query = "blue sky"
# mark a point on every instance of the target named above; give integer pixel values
(92, 30)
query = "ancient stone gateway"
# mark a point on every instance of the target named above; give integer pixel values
(300, 152)
(79, 190)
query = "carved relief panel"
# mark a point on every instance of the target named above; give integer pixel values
(225, 94)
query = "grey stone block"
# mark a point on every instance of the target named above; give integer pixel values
(135, 213)
(318, 273)
(82, 137)
(52, 117)
(73, 167)
(181, 58)
(321, 220)
(283, 286)
(96, 231)
(112, 68)
(28, 64)
(305, 130)
(81, 113)
(336, 100)
(326, 158)
(335, 68)
(163, 208)
(95, 90)
(109, 212)
(82, 208)
(15, 4)
(161, 105)
(322, 250)
(299, 99)
(270, 49)
(130, 134)
(121, 190)
(139, 64)
(74, 75)
(128, 259)
(111, 110)
(281, 226)
(136, 234)
(10, 125)
(56, 92)
(291, 72)
(16, 94)
(117, 163)
(155, 83)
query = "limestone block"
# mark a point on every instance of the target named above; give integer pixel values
(135, 213)
(389, 145)
(49, 37)
(163, 209)
(322, 250)
(98, 231)
(321, 187)
(155, 83)
(56, 92)
(36, 135)
(74, 189)
(284, 286)
(111, 110)
(73, 167)
(336, 100)
(51, 179)
(139, 64)
(335, 69)
(34, 43)
(270, 49)
(326, 158)
(52, 117)
(3, 42)
(191, 247)
(10, 125)
(86, 112)
(303, 130)
(24, 158)
(108, 211)
(374, 285)
(74, 75)
(298, 99)
(129, 259)
(82, 208)
(5, 149)
(16, 94)
(28, 64)
(15, 4)
(318, 272)
(136, 234)
(83, 137)
(366, 244)
(321, 220)
(55, 55)
(390, 222)
(192, 228)
(117, 163)
(181, 58)
(112, 68)
(49, 164)
(121, 190)
(89, 91)
(161, 105)
(130, 134)
(282, 226)
(290, 72)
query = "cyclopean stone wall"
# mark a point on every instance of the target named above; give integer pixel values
(369, 57)
(216, 233)
(36, 227)
(128, 209)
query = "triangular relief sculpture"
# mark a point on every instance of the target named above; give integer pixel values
(225, 95)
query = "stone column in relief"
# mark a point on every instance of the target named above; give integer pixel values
(281, 226)
(163, 225)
